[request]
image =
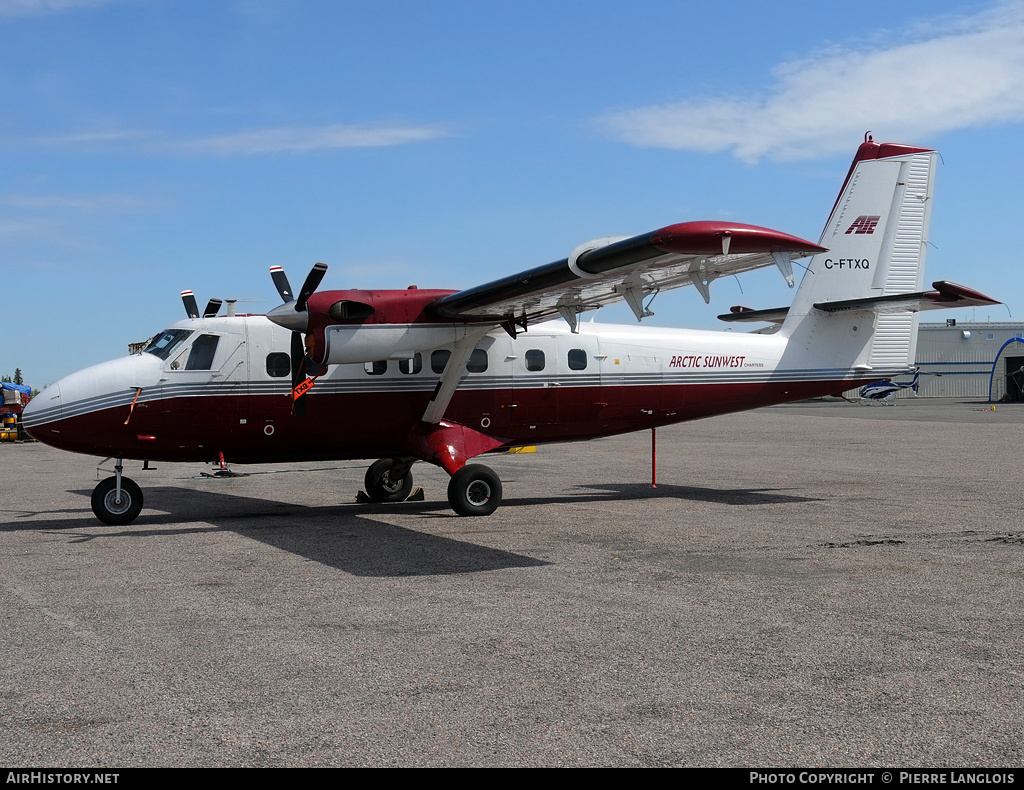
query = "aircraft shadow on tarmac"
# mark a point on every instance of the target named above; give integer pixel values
(721, 496)
(343, 537)
(338, 536)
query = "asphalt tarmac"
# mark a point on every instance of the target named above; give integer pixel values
(813, 585)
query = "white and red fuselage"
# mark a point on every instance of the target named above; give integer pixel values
(547, 385)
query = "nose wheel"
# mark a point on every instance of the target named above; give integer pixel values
(474, 490)
(117, 507)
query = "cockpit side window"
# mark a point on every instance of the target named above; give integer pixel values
(163, 344)
(201, 356)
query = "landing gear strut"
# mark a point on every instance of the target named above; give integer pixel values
(388, 480)
(117, 500)
(474, 490)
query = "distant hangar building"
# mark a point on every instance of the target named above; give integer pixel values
(969, 360)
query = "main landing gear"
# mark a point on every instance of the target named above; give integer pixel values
(388, 480)
(474, 490)
(117, 500)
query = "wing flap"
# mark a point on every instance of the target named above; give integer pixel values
(609, 270)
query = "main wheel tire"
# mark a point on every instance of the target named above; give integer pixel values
(111, 511)
(381, 487)
(474, 491)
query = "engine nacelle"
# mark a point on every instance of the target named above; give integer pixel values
(346, 327)
(373, 342)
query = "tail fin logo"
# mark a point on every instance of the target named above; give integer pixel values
(863, 225)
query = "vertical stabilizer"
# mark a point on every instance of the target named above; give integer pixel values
(876, 239)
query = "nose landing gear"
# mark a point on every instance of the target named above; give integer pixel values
(117, 500)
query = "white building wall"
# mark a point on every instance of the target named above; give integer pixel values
(956, 361)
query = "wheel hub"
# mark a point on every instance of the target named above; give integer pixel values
(389, 484)
(478, 493)
(115, 507)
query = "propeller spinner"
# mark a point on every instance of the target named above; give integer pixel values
(292, 314)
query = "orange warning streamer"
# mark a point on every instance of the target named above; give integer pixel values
(303, 387)
(138, 391)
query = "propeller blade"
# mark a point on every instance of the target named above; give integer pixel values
(287, 318)
(298, 373)
(313, 279)
(189, 300)
(212, 308)
(281, 283)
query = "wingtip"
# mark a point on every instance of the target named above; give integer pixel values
(708, 238)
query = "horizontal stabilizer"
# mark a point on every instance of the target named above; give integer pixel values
(775, 315)
(945, 295)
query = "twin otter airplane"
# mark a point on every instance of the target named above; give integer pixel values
(446, 376)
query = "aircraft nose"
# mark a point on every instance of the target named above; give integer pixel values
(45, 407)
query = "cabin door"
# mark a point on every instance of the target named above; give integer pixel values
(535, 402)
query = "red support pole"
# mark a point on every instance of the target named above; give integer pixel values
(654, 457)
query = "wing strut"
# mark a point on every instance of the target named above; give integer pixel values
(453, 374)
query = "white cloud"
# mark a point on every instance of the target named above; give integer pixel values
(300, 140)
(252, 142)
(99, 137)
(968, 74)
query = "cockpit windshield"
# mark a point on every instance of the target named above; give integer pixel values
(163, 344)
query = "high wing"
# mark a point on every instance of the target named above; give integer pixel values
(607, 270)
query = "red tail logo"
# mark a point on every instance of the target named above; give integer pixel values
(863, 224)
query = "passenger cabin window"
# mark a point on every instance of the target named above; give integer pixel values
(201, 356)
(163, 344)
(279, 364)
(577, 359)
(438, 359)
(535, 359)
(477, 361)
(411, 366)
(378, 368)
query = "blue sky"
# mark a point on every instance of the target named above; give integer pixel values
(149, 146)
